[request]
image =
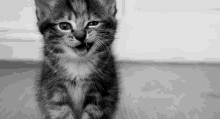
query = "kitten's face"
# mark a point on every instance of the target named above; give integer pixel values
(77, 28)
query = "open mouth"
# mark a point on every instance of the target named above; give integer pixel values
(83, 48)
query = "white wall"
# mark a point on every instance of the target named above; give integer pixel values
(170, 30)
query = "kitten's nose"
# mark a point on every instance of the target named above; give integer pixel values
(80, 35)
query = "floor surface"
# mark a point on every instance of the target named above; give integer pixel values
(149, 90)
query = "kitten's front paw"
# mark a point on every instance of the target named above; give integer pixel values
(85, 115)
(92, 112)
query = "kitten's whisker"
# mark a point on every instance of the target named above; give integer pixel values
(109, 30)
(56, 83)
(50, 65)
(52, 49)
(102, 44)
(47, 58)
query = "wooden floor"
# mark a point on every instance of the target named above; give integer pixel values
(150, 90)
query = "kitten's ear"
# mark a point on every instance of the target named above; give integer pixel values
(110, 6)
(43, 8)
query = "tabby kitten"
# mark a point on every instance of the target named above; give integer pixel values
(79, 77)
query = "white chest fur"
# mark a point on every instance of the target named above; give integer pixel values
(77, 72)
(80, 71)
(77, 93)
(77, 69)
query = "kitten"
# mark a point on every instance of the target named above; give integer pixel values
(79, 78)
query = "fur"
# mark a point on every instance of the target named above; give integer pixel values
(74, 83)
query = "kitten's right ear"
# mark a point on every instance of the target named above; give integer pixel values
(44, 8)
(110, 6)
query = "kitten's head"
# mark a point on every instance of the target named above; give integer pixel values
(76, 28)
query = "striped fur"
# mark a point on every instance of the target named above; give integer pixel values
(77, 84)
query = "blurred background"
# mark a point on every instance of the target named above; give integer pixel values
(160, 30)
(168, 53)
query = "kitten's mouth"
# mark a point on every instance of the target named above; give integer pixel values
(83, 48)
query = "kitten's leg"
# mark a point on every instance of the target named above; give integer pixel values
(60, 112)
(92, 112)
(56, 108)
(98, 107)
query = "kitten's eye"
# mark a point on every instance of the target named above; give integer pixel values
(65, 26)
(93, 23)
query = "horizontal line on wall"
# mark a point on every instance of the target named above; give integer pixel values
(166, 62)
(4, 29)
(14, 40)
(29, 62)
(18, 40)
(19, 35)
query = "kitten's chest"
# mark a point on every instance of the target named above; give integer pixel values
(77, 71)
(77, 84)
(77, 89)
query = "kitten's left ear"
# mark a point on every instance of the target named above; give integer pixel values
(110, 6)
(44, 8)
